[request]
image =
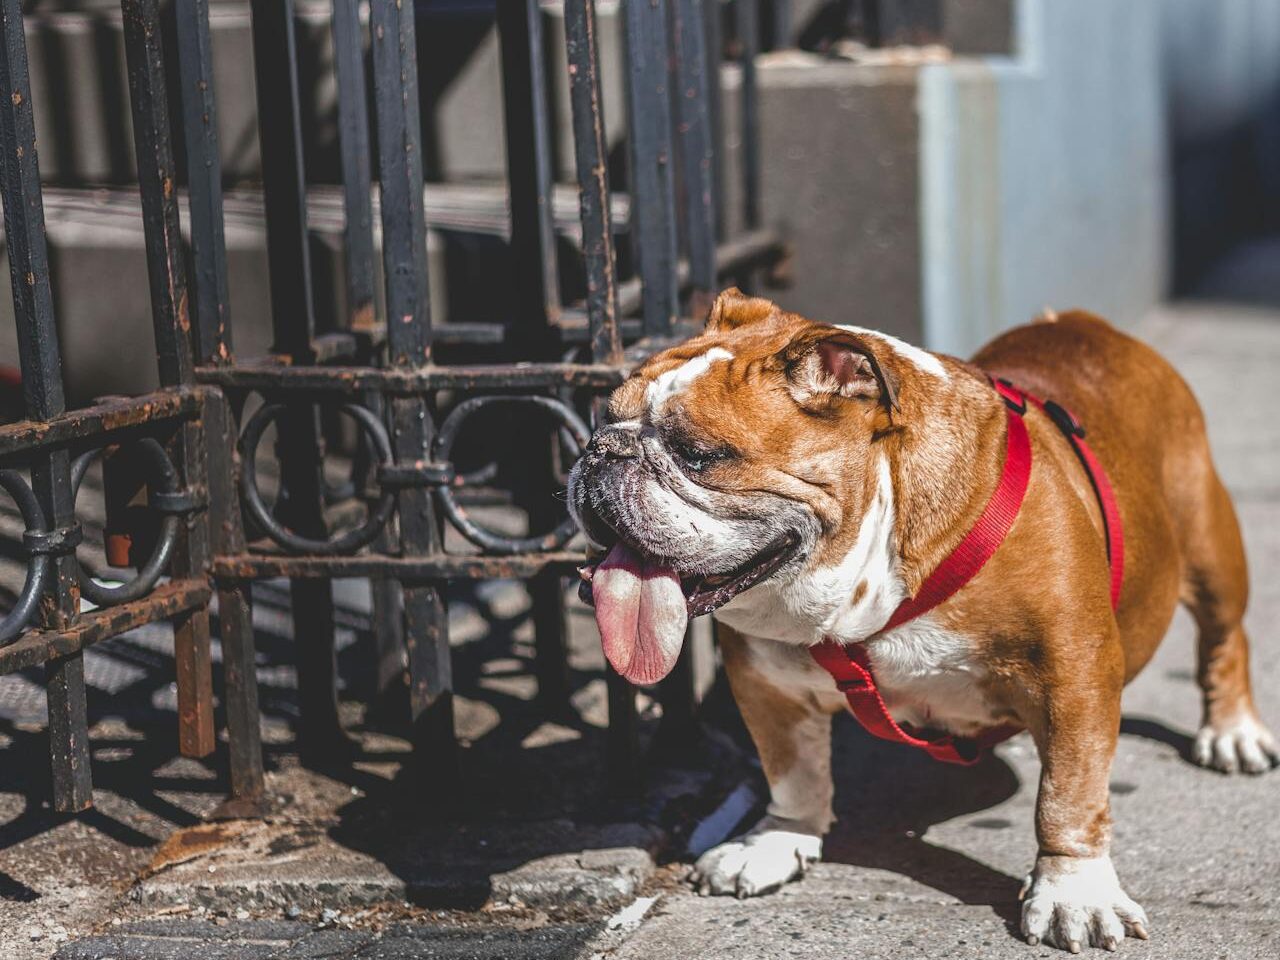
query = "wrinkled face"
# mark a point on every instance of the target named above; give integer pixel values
(740, 456)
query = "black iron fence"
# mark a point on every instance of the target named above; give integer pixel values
(410, 387)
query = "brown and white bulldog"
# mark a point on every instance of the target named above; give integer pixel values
(801, 479)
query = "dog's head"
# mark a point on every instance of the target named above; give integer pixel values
(739, 456)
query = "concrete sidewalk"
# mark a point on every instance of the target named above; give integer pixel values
(926, 860)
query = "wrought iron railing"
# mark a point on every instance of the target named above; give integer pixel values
(193, 445)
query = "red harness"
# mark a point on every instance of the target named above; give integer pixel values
(849, 664)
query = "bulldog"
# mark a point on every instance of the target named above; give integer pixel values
(805, 481)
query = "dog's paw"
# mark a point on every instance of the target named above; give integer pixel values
(1242, 744)
(1072, 903)
(757, 862)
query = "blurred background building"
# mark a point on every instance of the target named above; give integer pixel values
(939, 183)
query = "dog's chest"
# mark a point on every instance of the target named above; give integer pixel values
(932, 677)
(928, 677)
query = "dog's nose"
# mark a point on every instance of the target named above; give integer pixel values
(617, 443)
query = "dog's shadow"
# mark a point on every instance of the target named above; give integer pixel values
(888, 796)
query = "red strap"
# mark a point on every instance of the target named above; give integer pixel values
(1112, 526)
(852, 672)
(982, 541)
(850, 666)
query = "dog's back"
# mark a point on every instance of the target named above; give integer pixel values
(1182, 538)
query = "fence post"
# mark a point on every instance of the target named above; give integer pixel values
(651, 173)
(301, 503)
(41, 364)
(426, 627)
(157, 182)
(211, 333)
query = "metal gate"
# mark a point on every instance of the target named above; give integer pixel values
(192, 445)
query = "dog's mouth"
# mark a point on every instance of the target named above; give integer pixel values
(703, 594)
(643, 602)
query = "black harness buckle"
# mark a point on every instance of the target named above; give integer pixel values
(1063, 419)
(1014, 399)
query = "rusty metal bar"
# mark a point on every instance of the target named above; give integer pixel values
(713, 32)
(244, 730)
(426, 627)
(41, 646)
(408, 382)
(747, 13)
(212, 323)
(697, 159)
(358, 249)
(653, 215)
(157, 182)
(41, 364)
(536, 306)
(166, 269)
(529, 174)
(210, 318)
(592, 155)
(353, 138)
(111, 421)
(301, 506)
(434, 568)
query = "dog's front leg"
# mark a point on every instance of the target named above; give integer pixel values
(792, 734)
(1073, 897)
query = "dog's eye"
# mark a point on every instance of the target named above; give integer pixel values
(695, 457)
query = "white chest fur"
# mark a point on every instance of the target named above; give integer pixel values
(928, 676)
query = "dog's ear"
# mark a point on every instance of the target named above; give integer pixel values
(734, 309)
(826, 364)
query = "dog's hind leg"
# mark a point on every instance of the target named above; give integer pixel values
(1215, 590)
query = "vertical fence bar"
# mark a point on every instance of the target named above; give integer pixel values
(358, 248)
(211, 321)
(41, 365)
(204, 179)
(529, 173)
(697, 159)
(592, 156)
(353, 135)
(399, 131)
(301, 504)
(653, 219)
(748, 21)
(591, 152)
(244, 728)
(781, 24)
(536, 305)
(166, 269)
(713, 31)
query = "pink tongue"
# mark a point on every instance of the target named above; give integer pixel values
(641, 612)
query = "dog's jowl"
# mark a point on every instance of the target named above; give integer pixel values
(955, 551)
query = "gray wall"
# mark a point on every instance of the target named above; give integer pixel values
(1043, 174)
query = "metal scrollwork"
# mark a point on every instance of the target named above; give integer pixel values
(482, 537)
(37, 530)
(348, 542)
(164, 494)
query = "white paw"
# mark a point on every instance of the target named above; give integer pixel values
(757, 862)
(1073, 902)
(1244, 744)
